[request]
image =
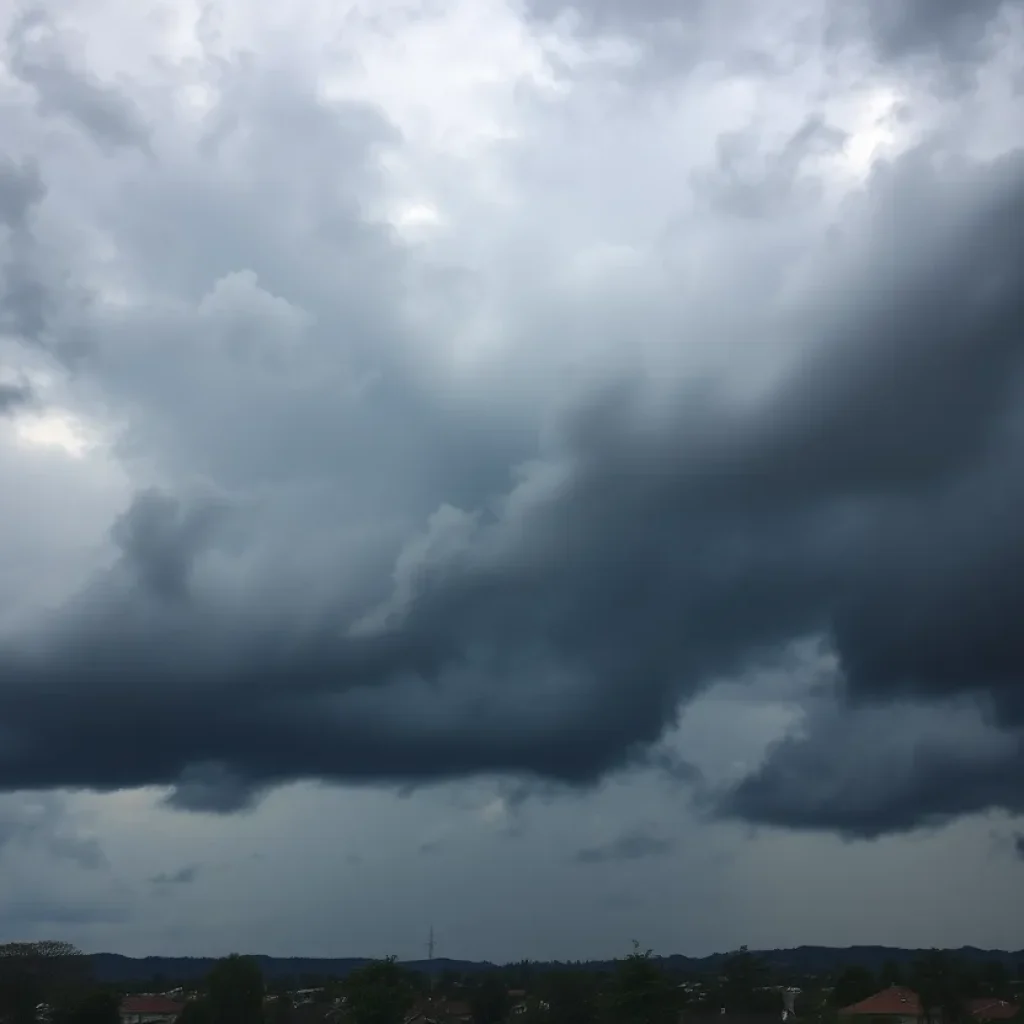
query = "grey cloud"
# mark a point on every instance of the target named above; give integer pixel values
(630, 846)
(552, 636)
(14, 397)
(41, 822)
(213, 787)
(746, 183)
(183, 876)
(30, 912)
(1018, 845)
(23, 297)
(37, 55)
(882, 769)
(955, 30)
(394, 591)
(21, 188)
(160, 540)
(24, 300)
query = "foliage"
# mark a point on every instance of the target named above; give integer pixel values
(571, 996)
(379, 992)
(853, 985)
(36, 972)
(489, 999)
(98, 1007)
(235, 991)
(743, 985)
(941, 984)
(196, 1011)
(891, 974)
(640, 992)
(282, 1009)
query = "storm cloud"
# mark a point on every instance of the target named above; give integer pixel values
(399, 517)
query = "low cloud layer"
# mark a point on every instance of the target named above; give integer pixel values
(409, 511)
(635, 845)
(183, 876)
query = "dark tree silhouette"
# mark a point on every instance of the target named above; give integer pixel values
(379, 992)
(36, 972)
(197, 1011)
(100, 1007)
(640, 992)
(235, 991)
(489, 999)
(853, 985)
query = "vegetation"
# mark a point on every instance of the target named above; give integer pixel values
(234, 991)
(50, 983)
(379, 993)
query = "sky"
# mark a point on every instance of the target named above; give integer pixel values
(550, 473)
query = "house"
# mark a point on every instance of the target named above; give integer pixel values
(896, 1004)
(991, 1009)
(439, 1011)
(901, 1005)
(149, 1010)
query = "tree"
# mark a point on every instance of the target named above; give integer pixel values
(853, 985)
(940, 984)
(196, 1011)
(36, 972)
(235, 991)
(571, 996)
(743, 984)
(891, 974)
(489, 999)
(282, 1012)
(640, 992)
(379, 992)
(100, 1007)
(994, 979)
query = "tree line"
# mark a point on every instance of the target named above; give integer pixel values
(639, 988)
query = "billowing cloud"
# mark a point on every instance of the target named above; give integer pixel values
(502, 496)
(40, 59)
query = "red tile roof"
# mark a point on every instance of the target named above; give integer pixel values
(993, 1009)
(150, 1005)
(895, 1001)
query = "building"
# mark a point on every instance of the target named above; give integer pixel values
(440, 1011)
(895, 1005)
(900, 1005)
(149, 1010)
(991, 1009)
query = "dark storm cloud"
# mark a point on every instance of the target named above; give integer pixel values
(37, 55)
(160, 540)
(630, 846)
(865, 772)
(871, 498)
(1018, 844)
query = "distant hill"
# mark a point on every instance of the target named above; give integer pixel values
(112, 967)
